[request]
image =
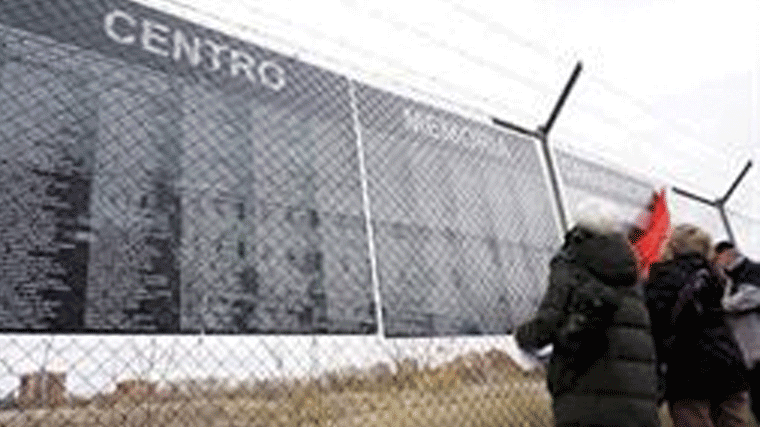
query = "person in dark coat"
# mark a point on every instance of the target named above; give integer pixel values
(741, 301)
(602, 369)
(700, 362)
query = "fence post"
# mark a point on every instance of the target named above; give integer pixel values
(726, 223)
(720, 203)
(547, 127)
(44, 372)
(551, 168)
(542, 133)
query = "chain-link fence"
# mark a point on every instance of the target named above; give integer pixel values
(200, 231)
(197, 230)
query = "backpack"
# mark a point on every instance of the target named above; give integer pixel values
(589, 311)
(694, 284)
(581, 338)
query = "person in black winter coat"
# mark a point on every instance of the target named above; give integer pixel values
(602, 369)
(700, 363)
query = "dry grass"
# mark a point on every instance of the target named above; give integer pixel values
(475, 391)
(521, 404)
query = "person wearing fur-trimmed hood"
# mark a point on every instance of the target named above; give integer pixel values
(602, 369)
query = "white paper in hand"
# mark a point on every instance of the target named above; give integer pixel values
(525, 360)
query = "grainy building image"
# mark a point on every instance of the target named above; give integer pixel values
(42, 389)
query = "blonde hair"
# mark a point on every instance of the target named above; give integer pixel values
(688, 238)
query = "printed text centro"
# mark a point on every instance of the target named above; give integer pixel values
(159, 39)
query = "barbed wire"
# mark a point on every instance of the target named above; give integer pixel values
(597, 112)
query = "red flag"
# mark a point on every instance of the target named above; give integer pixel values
(653, 228)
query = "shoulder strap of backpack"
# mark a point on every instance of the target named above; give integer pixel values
(694, 284)
(593, 295)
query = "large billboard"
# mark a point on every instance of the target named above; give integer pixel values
(462, 218)
(158, 176)
(162, 177)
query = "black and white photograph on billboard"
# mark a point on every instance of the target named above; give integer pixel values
(585, 181)
(462, 218)
(158, 176)
(46, 152)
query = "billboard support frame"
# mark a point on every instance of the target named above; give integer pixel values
(720, 202)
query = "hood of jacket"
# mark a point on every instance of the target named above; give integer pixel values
(607, 256)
